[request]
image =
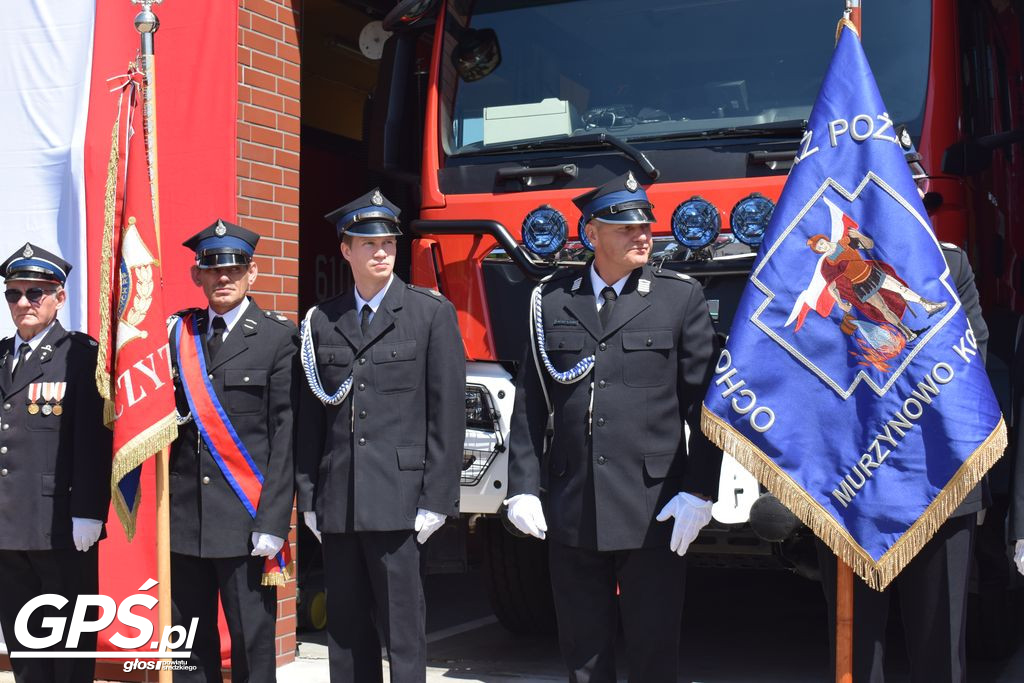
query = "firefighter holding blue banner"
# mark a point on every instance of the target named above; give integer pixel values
(232, 479)
(888, 352)
(620, 356)
(55, 460)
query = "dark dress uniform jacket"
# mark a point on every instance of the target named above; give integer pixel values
(652, 368)
(254, 377)
(395, 444)
(52, 467)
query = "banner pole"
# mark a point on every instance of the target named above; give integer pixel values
(147, 23)
(844, 573)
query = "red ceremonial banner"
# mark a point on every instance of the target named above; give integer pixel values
(133, 371)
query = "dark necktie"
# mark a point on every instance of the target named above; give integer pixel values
(364, 318)
(23, 352)
(605, 314)
(216, 339)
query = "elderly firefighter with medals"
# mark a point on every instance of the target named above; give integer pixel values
(599, 460)
(379, 446)
(232, 478)
(55, 461)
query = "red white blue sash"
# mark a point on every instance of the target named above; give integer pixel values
(223, 442)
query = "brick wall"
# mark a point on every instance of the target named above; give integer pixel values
(268, 183)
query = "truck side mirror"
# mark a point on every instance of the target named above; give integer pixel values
(406, 13)
(974, 156)
(477, 54)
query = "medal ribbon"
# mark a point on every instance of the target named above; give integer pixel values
(221, 439)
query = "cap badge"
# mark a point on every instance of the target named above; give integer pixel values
(631, 183)
(905, 139)
(28, 252)
(221, 229)
(377, 198)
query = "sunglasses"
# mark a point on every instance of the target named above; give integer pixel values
(33, 294)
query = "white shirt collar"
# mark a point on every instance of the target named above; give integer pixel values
(34, 341)
(597, 284)
(375, 301)
(231, 317)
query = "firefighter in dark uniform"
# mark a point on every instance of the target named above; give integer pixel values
(381, 431)
(226, 529)
(620, 358)
(932, 588)
(55, 459)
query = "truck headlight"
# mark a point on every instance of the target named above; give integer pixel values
(696, 223)
(750, 217)
(545, 231)
(483, 439)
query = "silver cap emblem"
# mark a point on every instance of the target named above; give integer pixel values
(28, 252)
(377, 198)
(631, 183)
(905, 139)
(221, 229)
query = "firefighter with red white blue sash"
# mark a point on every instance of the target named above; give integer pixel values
(231, 467)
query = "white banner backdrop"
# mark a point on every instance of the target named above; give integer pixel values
(45, 67)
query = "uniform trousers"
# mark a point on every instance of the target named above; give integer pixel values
(25, 574)
(651, 584)
(250, 610)
(932, 594)
(375, 593)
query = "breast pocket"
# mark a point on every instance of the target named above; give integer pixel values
(564, 347)
(395, 367)
(334, 365)
(245, 391)
(645, 357)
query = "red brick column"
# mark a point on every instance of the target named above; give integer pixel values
(268, 184)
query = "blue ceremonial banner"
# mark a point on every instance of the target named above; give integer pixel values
(851, 384)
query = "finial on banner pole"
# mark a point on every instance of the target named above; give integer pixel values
(147, 23)
(851, 18)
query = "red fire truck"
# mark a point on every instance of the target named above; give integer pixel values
(491, 115)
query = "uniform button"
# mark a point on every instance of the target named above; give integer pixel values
(394, 354)
(362, 441)
(206, 480)
(5, 427)
(602, 346)
(362, 361)
(3, 450)
(362, 386)
(600, 422)
(601, 460)
(602, 384)
(3, 472)
(648, 342)
(210, 376)
(362, 413)
(246, 379)
(7, 406)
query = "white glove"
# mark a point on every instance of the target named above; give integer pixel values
(1018, 556)
(309, 518)
(526, 513)
(265, 545)
(85, 532)
(691, 513)
(427, 523)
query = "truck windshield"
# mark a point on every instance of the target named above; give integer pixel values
(661, 69)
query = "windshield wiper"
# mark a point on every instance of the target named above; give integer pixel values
(576, 142)
(780, 129)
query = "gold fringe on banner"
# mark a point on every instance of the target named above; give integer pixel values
(133, 454)
(279, 578)
(878, 574)
(103, 382)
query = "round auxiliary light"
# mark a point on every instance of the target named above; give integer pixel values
(696, 223)
(750, 217)
(544, 231)
(584, 240)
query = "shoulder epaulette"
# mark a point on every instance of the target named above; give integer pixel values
(83, 338)
(277, 317)
(432, 293)
(672, 275)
